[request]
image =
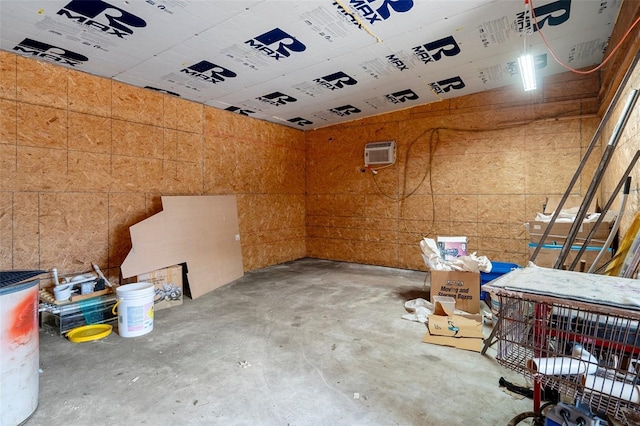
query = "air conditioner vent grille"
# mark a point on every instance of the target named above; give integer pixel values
(380, 153)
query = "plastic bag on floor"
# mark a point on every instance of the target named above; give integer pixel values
(419, 310)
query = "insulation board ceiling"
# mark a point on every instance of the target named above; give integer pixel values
(309, 63)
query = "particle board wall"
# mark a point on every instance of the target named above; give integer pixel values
(612, 74)
(480, 166)
(83, 158)
(626, 148)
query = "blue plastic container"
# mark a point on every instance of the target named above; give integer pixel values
(498, 269)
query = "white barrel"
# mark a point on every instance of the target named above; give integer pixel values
(135, 309)
(19, 352)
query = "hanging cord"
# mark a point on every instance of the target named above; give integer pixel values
(568, 67)
(433, 141)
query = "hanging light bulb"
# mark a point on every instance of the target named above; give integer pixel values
(527, 72)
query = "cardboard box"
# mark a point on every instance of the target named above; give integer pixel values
(548, 255)
(560, 230)
(169, 284)
(457, 331)
(571, 202)
(464, 287)
(452, 247)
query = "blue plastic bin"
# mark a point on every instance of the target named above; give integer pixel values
(498, 269)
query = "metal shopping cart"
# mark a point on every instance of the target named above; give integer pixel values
(576, 333)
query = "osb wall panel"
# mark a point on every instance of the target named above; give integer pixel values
(612, 75)
(84, 158)
(625, 150)
(265, 164)
(479, 166)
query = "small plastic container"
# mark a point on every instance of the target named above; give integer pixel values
(448, 303)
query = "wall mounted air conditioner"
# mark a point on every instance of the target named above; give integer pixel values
(380, 153)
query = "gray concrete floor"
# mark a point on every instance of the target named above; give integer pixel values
(309, 342)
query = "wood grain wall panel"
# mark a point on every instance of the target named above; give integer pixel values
(40, 169)
(188, 180)
(26, 230)
(8, 165)
(41, 126)
(8, 114)
(430, 110)
(464, 208)
(8, 75)
(41, 83)
(137, 140)
(6, 230)
(409, 257)
(218, 177)
(136, 174)
(271, 227)
(421, 207)
(90, 133)
(89, 171)
(188, 146)
(380, 235)
(489, 160)
(495, 208)
(380, 206)
(99, 154)
(89, 95)
(183, 115)
(125, 210)
(503, 97)
(73, 230)
(135, 105)
(549, 172)
(170, 145)
(570, 86)
(486, 148)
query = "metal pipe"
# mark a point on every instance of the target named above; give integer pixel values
(594, 140)
(605, 209)
(616, 224)
(597, 177)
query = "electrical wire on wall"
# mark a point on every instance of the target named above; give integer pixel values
(434, 134)
(433, 143)
(568, 67)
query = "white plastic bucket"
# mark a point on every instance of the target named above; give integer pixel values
(19, 352)
(134, 309)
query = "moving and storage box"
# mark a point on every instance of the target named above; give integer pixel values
(168, 284)
(464, 287)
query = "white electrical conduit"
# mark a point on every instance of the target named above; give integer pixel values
(614, 229)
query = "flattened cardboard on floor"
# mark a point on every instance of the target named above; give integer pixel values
(201, 231)
(460, 332)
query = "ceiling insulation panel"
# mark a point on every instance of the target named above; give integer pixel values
(309, 63)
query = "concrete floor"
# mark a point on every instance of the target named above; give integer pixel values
(309, 342)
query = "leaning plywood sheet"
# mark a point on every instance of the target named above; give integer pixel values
(201, 231)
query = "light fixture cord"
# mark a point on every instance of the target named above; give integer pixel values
(568, 67)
